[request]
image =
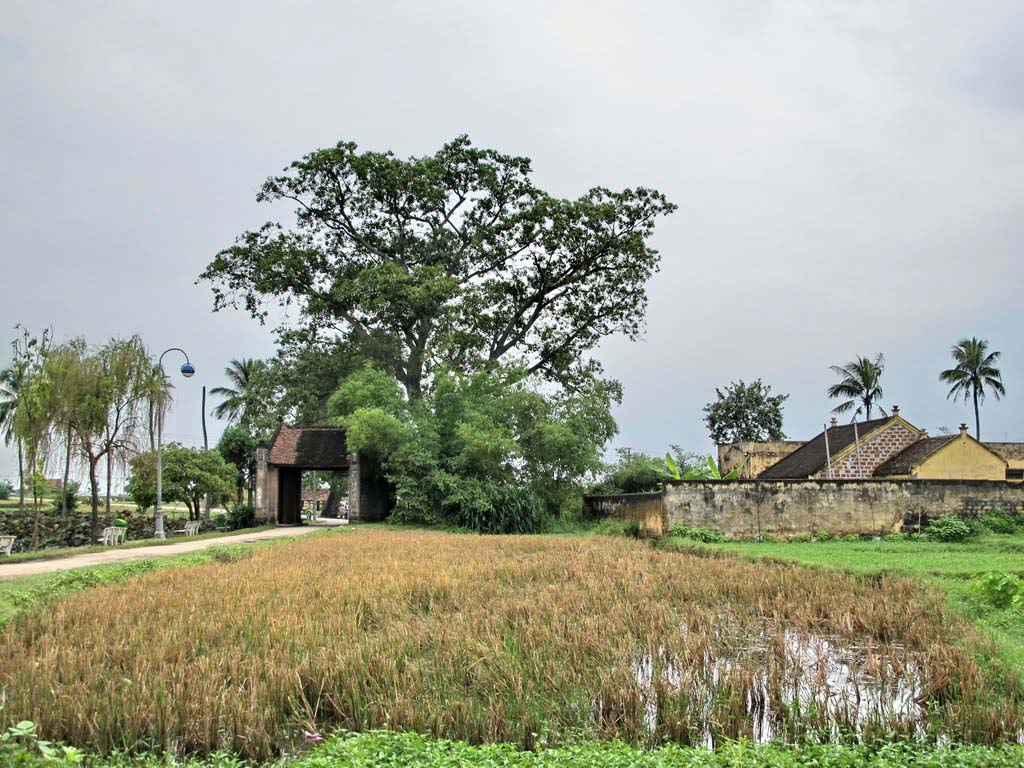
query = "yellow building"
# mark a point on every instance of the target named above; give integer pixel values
(1014, 455)
(951, 457)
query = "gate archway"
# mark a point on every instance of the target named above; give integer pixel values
(294, 450)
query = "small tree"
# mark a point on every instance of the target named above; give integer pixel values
(238, 446)
(189, 474)
(745, 413)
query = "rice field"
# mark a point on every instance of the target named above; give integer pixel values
(538, 641)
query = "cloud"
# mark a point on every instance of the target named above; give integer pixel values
(848, 175)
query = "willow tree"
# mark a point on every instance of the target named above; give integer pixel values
(32, 412)
(455, 256)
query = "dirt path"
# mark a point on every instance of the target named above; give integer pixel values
(13, 570)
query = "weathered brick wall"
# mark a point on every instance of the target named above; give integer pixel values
(647, 510)
(749, 508)
(873, 452)
(792, 507)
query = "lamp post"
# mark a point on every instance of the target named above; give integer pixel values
(187, 370)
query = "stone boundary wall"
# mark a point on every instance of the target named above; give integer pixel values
(750, 508)
(647, 510)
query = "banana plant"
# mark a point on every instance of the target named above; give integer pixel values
(706, 471)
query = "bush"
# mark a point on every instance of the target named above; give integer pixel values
(823, 536)
(1001, 589)
(704, 535)
(635, 473)
(999, 522)
(241, 516)
(950, 529)
(70, 499)
(6, 489)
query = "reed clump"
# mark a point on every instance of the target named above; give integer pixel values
(485, 639)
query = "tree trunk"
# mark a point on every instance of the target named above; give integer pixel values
(67, 473)
(977, 418)
(21, 478)
(94, 488)
(110, 468)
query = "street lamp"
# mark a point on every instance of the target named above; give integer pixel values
(187, 370)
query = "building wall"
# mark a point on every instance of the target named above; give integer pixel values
(1014, 455)
(892, 439)
(963, 458)
(647, 510)
(760, 456)
(750, 508)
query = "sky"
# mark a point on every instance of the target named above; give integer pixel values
(850, 176)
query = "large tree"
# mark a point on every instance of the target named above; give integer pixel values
(975, 370)
(858, 383)
(454, 256)
(745, 413)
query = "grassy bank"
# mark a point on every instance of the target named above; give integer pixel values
(529, 640)
(384, 749)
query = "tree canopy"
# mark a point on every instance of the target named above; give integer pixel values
(483, 450)
(454, 257)
(745, 413)
(189, 474)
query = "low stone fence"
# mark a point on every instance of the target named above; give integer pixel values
(750, 508)
(647, 510)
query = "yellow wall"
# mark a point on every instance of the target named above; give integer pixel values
(962, 459)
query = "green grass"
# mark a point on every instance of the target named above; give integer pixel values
(52, 554)
(384, 749)
(991, 552)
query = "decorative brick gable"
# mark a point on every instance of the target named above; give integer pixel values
(859, 465)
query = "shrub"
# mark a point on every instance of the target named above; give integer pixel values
(823, 536)
(851, 537)
(241, 516)
(705, 535)
(801, 538)
(950, 529)
(6, 489)
(1001, 589)
(999, 522)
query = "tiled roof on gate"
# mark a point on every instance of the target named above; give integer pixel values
(813, 456)
(309, 448)
(911, 456)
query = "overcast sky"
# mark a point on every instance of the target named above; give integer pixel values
(850, 176)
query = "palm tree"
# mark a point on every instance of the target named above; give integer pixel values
(239, 399)
(858, 381)
(974, 371)
(10, 386)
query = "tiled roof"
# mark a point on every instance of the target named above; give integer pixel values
(309, 448)
(911, 456)
(812, 457)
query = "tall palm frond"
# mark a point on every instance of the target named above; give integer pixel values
(9, 386)
(974, 371)
(238, 398)
(858, 383)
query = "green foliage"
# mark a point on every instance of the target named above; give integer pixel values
(451, 259)
(1001, 590)
(6, 489)
(70, 499)
(949, 528)
(240, 516)
(484, 451)
(188, 475)
(703, 535)
(858, 384)
(632, 473)
(999, 522)
(745, 412)
(383, 749)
